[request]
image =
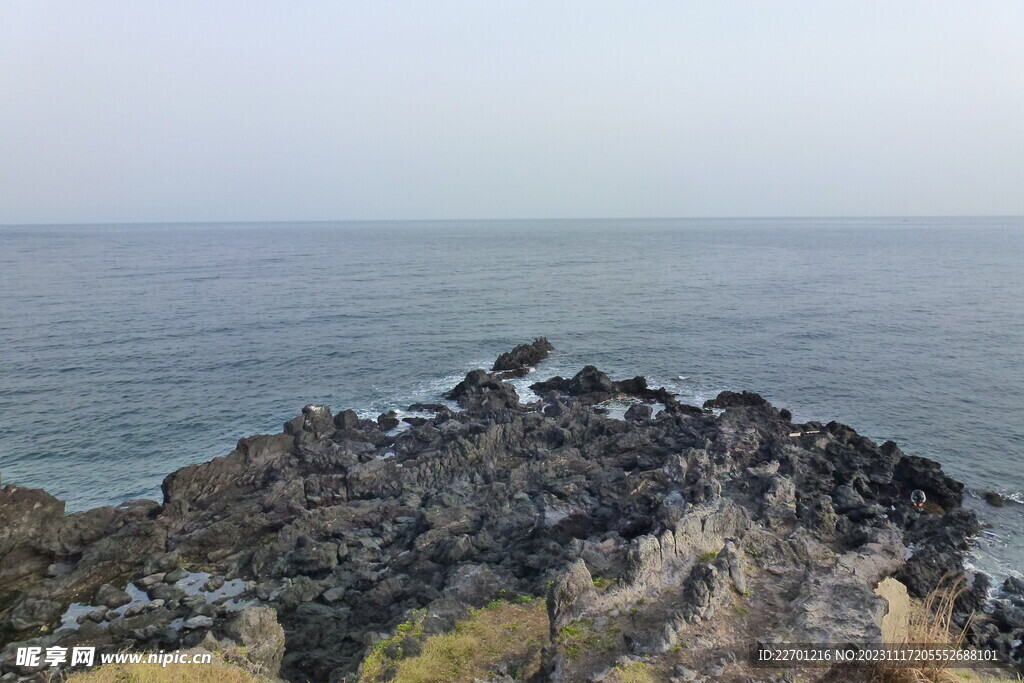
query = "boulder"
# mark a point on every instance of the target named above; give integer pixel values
(346, 419)
(315, 422)
(915, 472)
(28, 517)
(257, 630)
(994, 499)
(197, 622)
(589, 382)
(483, 393)
(638, 411)
(388, 421)
(569, 596)
(34, 612)
(111, 597)
(524, 355)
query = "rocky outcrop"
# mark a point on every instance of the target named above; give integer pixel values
(524, 355)
(731, 399)
(261, 639)
(570, 596)
(482, 393)
(314, 542)
(593, 386)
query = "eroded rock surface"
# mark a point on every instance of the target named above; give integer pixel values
(343, 528)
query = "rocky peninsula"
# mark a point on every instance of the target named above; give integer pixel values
(674, 539)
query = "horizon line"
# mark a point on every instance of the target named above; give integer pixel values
(479, 219)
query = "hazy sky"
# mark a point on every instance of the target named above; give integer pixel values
(174, 111)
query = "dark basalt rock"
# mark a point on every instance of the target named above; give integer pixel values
(524, 355)
(994, 499)
(111, 597)
(429, 408)
(388, 421)
(928, 476)
(346, 419)
(639, 411)
(587, 381)
(1013, 586)
(345, 531)
(593, 386)
(731, 399)
(482, 392)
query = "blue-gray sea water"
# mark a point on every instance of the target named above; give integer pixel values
(129, 351)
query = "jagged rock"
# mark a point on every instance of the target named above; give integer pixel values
(482, 393)
(821, 515)
(1013, 586)
(1009, 616)
(736, 562)
(845, 498)
(524, 355)
(638, 411)
(587, 381)
(569, 596)
(257, 630)
(310, 557)
(32, 613)
(731, 399)
(388, 421)
(111, 597)
(315, 422)
(703, 589)
(347, 531)
(849, 582)
(684, 673)
(927, 475)
(346, 419)
(469, 586)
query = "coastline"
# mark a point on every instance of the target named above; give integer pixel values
(343, 526)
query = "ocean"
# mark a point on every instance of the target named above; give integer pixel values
(128, 351)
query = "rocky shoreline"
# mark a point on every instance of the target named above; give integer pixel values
(301, 551)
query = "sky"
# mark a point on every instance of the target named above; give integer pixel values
(155, 111)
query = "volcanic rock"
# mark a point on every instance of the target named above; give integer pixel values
(687, 519)
(524, 355)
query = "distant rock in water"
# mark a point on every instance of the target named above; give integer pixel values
(994, 499)
(524, 355)
(652, 531)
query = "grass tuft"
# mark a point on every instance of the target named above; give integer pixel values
(503, 631)
(930, 623)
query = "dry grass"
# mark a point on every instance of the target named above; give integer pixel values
(501, 632)
(637, 672)
(218, 671)
(930, 624)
